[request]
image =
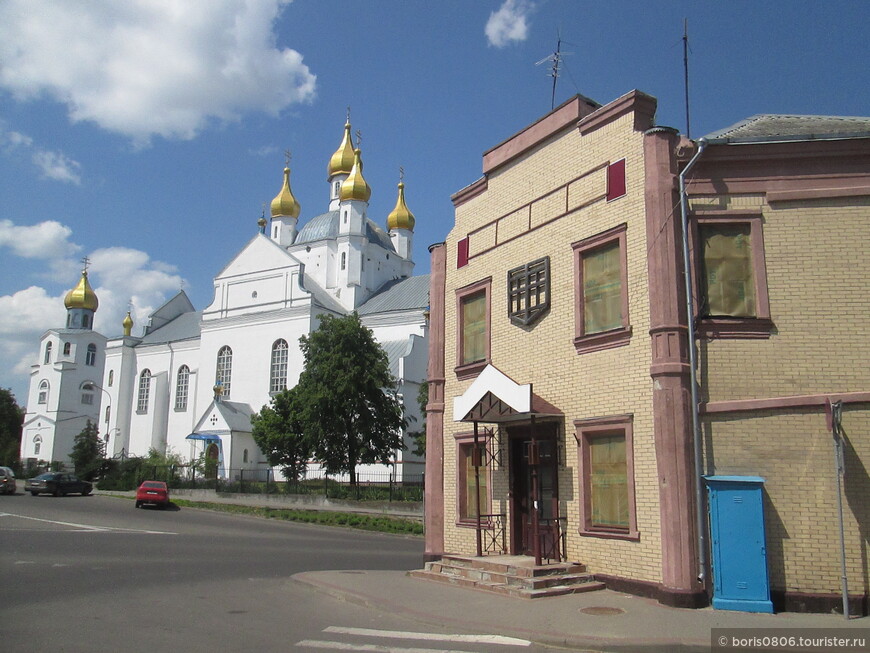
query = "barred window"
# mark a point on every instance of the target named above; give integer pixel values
(182, 382)
(144, 391)
(278, 380)
(529, 292)
(224, 372)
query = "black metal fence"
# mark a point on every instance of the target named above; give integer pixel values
(370, 486)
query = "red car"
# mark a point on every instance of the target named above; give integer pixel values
(154, 492)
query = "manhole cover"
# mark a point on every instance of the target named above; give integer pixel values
(602, 611)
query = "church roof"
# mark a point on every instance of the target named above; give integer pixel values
(236, 414)
(325, 227)
(398, 295)
(184, 327)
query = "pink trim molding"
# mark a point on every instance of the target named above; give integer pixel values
(774, 403)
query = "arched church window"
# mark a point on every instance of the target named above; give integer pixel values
(224, 372)
(245, 456)
(144, 391)
(37, 445)
(108, 413)
(278, 380)
(87, 389)
(182, 382)
(111, 377)
(67, 348)
(86, 321)
(91, 356)
(343, 260)
(47, 358)
(336, 188)
(43, 392)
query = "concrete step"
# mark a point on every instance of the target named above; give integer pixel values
(510, 576)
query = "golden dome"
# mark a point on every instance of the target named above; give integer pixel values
(400, 217)
(127, 324)
(342, 161)
(82, 296)
(284, 203)
(355, 187)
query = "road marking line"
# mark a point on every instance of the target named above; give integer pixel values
(436, 637)
(86, 528)
(341, 646)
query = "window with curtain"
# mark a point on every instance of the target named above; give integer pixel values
(182, 383)
(727, 271)
(466, 481)
(608, 482)
(278, 375)
(607, 475)
(602, 289)
(144, 391)
(474, 327)
(224, 371)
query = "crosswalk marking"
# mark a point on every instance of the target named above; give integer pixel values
(437, 637)
(342, 646)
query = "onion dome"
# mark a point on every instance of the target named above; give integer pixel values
(82, 296)
(127, 324)
(284, 204)
(400, 217)
(355, 187)
(342, 161)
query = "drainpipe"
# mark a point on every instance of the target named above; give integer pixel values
(693, 365)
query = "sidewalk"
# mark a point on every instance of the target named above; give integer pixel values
(599, 621)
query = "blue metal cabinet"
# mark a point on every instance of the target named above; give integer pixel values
(740, 579)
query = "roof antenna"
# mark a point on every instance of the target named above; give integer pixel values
(686, 72)
(556, 60)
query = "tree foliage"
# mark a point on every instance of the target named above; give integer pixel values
(279, 434)
(11, 416)
(88, 451)
(345, 405)
(419, 436)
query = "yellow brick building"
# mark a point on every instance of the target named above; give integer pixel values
(560, 421)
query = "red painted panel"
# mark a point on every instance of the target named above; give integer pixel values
(616, 180)
(462, 253)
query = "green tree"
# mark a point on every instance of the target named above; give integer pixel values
(11, 417)
(346, 401)
(279, 434)
(419, 436)
(88, 451)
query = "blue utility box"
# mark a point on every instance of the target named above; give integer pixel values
(740, 580)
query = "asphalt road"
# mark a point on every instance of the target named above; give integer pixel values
(95, 574)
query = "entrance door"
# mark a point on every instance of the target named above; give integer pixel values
(523, 474)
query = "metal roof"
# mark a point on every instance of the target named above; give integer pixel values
(325, 227)
(398, 295)
(779, 127)
(185, 327)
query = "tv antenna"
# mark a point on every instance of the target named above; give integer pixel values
(686, 71)
(555, 60)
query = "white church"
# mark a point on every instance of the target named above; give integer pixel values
(191, 381)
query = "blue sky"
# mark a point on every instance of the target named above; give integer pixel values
(148, 134)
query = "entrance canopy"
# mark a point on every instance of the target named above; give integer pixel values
(207, 437)
(494, 397)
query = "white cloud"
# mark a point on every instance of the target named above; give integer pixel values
(117, 274)
(508, 24)
(53, 165)
(47, 240)
(151, 67)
